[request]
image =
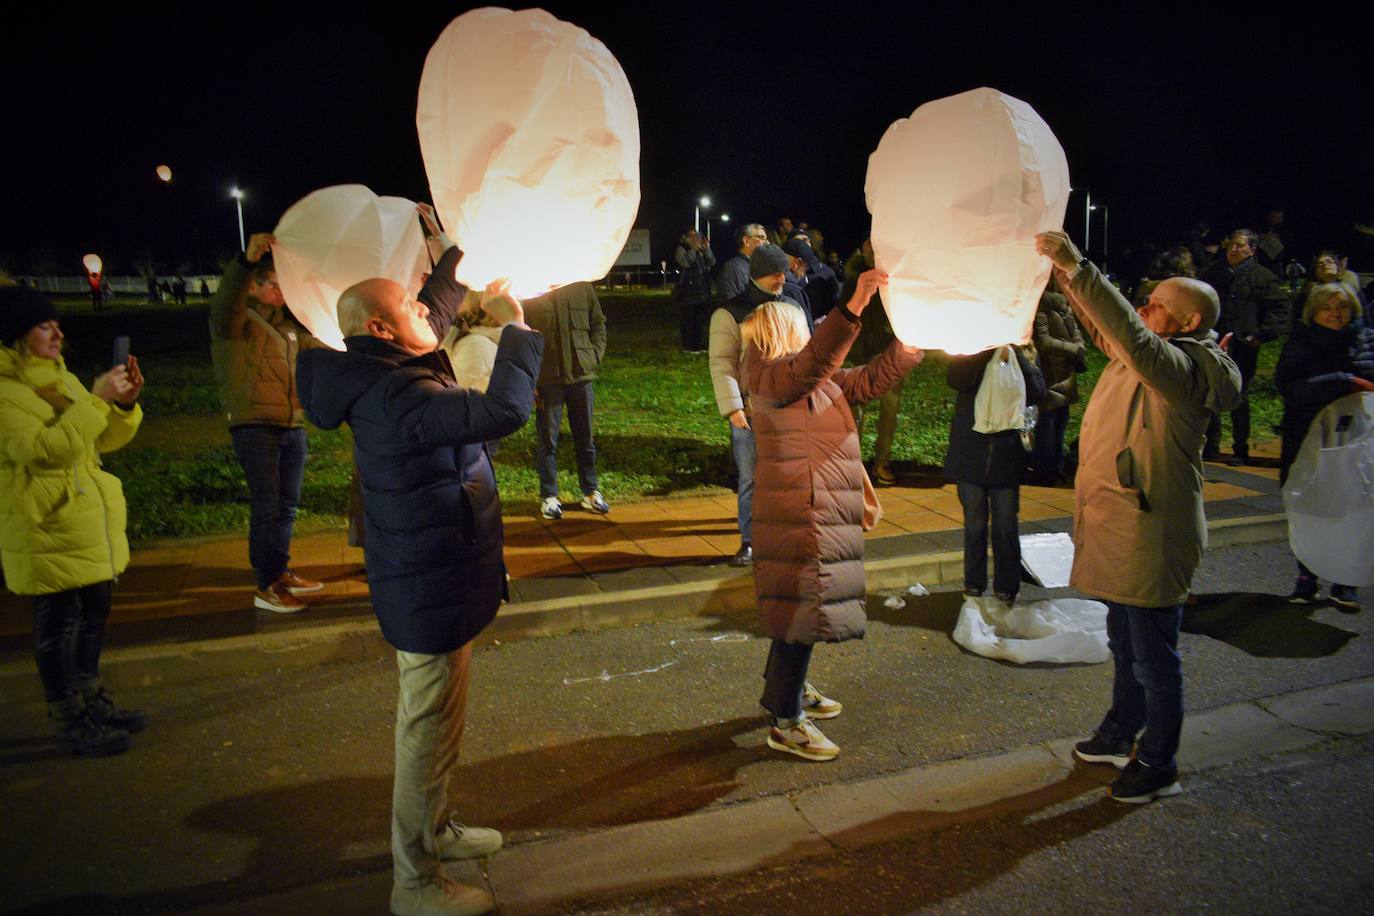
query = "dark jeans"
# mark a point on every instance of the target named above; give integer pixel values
(69, 631)
(784, 678)
(273, 460)
(1245, 358)
(580, 398)
(1001, 505)
(746, 456)
(1047, 454)
(693, 318)
(1147, 685)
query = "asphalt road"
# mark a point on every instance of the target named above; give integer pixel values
(252, 785)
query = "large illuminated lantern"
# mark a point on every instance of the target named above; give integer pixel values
(958, 192)
(338, 236)
(530, 138)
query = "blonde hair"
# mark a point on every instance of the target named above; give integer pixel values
(777, 328)
(1320, 293)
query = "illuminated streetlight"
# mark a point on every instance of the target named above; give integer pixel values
(164, 172)
(237, 194)
(703, 204)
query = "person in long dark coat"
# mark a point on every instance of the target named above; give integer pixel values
(809, 500)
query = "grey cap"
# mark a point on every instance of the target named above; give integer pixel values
(767, 260)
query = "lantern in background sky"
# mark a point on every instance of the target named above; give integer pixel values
(530, 138)
(338, 236)
(92, 263)
(958, 192)
(164, 172)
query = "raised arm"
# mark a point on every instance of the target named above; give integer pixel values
(866, 383)
(442, 293)
(792, 377)
(229, 305)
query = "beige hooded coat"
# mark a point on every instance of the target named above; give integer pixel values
(1138, 527)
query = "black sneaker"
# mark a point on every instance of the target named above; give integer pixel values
(1139, 784)
(1305, 595)
(743, 557)
(83, 736)
(103, 711)
(1098, 750)
(1239, 459)
(1345, 597)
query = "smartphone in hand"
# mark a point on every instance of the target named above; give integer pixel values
(121, 352)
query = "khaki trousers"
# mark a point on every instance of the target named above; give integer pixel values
(430, 714)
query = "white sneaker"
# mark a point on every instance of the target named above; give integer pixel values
(817, 706)
(551, 507)
(457, 841)
(442, 897)
(593, 502)
(803, 739)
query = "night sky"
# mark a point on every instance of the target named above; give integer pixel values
(771, 110)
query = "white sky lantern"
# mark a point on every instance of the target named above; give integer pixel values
(530, 138)
(958, 192)
(338, 236)
(92, 263)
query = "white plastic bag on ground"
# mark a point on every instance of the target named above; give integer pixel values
(1001, 400)
(1329, 495)
(1061, 630)
(1048, 558)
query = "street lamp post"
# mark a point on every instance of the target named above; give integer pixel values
(237, 194)
(1106, 211)
(703, 204)
(1088, 209)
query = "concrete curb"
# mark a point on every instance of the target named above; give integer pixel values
(130, 667)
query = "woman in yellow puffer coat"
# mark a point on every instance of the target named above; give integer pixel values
(62, 538)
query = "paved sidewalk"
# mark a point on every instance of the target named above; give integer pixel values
(191, 600)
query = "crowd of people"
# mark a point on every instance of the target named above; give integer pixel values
(429, 383)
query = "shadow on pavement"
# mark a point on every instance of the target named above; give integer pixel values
(1265, 626)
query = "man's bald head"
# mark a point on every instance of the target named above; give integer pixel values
(1184, 298)
(383, 309)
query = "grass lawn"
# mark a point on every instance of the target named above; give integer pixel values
(657, 430)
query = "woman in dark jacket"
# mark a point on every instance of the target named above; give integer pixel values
(809, 498)
(987, 467)
(1328, 355)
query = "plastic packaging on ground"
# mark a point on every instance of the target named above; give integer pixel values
(1061, 630)
(1048, 558)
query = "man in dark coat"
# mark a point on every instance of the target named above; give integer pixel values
(434, 540)
(734, 273)
(818, 281)
(1254, 310)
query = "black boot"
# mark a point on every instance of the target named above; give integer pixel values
(103, 711)
(79, 734)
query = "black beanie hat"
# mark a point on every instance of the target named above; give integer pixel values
(767, 260)
(22, 308)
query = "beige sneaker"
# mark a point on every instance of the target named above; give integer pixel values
(817, 706)
(299, 585)
(803, 739)
(458, 841)
(443, 897)
(277, 599)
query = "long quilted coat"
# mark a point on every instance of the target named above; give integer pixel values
(808, 483)
(61, 516)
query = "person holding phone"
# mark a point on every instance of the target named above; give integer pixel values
(62, 539)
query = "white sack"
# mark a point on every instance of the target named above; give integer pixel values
(1061, 630)
(1329, 495)
(1048, 558)
(958, 192)
(530, 138)
(1001, 399)
(338, 236)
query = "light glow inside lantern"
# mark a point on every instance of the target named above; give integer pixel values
(530, 138)
(164, 172)
(92, 263)
(338, 236)
(958, 192)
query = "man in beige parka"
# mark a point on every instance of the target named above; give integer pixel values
(1138, 528)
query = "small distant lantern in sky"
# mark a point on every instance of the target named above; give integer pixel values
(338, 236)
(164, 172)
(92, 263)
(530, 138)
(958, 192)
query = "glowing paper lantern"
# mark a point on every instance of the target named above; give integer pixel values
(164, 172)
(530, 138)
(338, 236)
(92, 263)
(958, 192)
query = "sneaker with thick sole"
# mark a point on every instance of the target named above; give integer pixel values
(1098, 750)
(277, 599)
(551, 508)
(593, 502)
(1345, 597)
(1305, 596)
(744, 556)
(83, 736)
(299, 585)
(103, 711)
(803, 739)
(1238, 460)
(1139, 784)
(818, 706)
(883, 476)
(459, 841)
(441, 897)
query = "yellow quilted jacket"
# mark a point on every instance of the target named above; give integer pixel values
(61, 516)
